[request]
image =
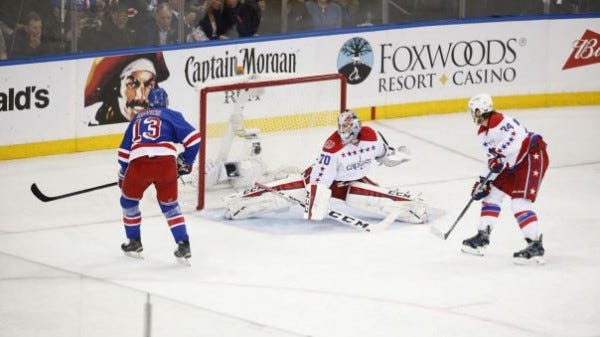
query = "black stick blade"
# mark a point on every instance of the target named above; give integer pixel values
(38, 194)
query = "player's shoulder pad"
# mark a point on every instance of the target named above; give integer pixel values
(495, 119)
(367, 134)
(333, 144)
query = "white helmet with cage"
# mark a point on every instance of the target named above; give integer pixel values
(348, 126)
(480, 107)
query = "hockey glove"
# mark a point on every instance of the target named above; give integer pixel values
(481, 190)
(121, 175)
(183, 168)
(496, 164)
(395, 156)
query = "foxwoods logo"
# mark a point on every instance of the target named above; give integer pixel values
(460, 63)
(355, 60)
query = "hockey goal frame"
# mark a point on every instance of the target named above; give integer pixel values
(251, 85)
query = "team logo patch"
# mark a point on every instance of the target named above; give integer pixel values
(329, 144)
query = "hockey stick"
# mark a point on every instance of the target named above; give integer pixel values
(437, 232)
(338, 216)
(36, 191)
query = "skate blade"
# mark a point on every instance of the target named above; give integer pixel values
(184, 261)
(473, 251)
(135, 255)
(536, 260)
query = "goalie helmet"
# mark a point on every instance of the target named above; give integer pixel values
(348, 126)
(158, 98)
(480, 107)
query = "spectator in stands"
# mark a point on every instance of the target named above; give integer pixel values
(196, 6)
(13, 12)
(349, 12)
(270, 19)
(298, 18)
(212, 24)
(244, 16)
(190, 20)
(140, 13)
(28, 41)
(89, 31)
(163, 30)
(177, 7)
(324, 14)
(56, 26)
(117, 32)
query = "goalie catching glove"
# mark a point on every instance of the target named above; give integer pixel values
(183, 168)
(395, 156)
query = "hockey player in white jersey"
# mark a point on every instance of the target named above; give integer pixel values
(518, 161)
(340, 171)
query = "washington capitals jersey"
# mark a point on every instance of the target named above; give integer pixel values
(154, 132)
(505, 137)
(338, 162)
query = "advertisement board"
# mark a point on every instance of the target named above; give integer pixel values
(397, 71)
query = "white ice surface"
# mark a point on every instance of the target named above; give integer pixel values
(62, 272)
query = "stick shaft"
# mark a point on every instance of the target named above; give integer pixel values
(40, 195)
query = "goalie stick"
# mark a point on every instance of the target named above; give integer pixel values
(338, 216)
(437, 232)
(36, 191)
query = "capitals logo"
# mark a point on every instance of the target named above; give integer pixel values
(355, 60)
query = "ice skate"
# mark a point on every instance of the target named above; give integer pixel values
(133, 248)
(183, 252)
(532, 254)
(477, 244)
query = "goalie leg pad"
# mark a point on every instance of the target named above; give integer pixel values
(255, 201)
(382, 201)
(317, 202)
(244, 208)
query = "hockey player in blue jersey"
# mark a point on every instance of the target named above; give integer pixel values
(148, 156)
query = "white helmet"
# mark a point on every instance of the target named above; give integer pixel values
(480, 107)
(348, 126)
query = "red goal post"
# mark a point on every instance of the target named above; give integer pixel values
(293, 91)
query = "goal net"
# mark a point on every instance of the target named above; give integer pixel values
(254, 129)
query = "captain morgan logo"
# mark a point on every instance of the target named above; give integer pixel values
(586, 51)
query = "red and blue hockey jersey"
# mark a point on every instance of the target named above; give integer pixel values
(155, 132)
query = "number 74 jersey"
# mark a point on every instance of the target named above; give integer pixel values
(504, 136)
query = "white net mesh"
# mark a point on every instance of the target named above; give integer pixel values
(251, 132)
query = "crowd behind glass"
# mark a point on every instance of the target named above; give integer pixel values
(33, 28)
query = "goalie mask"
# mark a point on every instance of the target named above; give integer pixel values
(158, 98)
(348, 126)
(480, 107)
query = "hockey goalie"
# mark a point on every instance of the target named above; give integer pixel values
(340, 171)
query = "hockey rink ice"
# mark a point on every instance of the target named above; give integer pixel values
(62, 272)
